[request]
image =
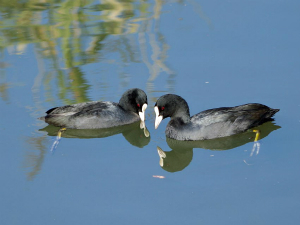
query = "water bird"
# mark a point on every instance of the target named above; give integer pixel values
(100, 114)
(208, 124)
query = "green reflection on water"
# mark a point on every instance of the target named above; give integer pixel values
(69, 34)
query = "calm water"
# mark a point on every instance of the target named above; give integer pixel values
(213, 54)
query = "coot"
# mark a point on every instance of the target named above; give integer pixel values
(209, 124)
(99, 114)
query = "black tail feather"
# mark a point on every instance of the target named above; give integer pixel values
(272, 112)
(50, 110)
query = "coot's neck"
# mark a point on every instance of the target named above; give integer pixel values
(181, 111)
(126, 103)
(183, 117)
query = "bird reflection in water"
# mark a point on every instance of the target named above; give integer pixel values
(136, 134)
(182, 151)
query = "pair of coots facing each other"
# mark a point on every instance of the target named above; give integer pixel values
(208, 124)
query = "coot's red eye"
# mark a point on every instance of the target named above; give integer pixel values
(162, 108)
(138, 105)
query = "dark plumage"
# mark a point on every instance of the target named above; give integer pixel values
(99, 114)
(209, 124)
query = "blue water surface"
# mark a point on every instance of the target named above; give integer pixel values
(213, 54)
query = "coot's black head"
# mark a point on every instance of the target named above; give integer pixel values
(172, 106)
(134, 100)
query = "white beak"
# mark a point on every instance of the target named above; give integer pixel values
(158, 118)
(142, 114)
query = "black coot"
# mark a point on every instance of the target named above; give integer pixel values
(99, 114)
(209, 124)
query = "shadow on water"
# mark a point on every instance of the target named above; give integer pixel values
(182, 151)
(136, 134)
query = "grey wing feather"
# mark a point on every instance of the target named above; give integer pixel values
(79, 107)
(61, 116)
(242, 117)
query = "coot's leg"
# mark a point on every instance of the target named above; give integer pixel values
(58, 137)
(60, 132)
(257, 135)
(256, 145)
